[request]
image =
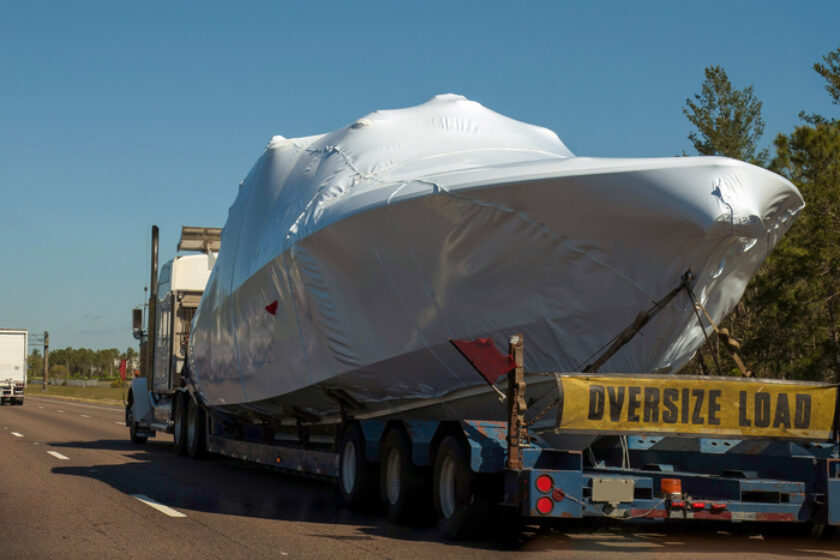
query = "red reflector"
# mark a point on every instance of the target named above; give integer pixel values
(544, 483)
(697, 506)
(544, 505)
(272, 307)
(558, 495)
(717, 507)
(677, 504)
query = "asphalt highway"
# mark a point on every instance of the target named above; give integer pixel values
(72, 485)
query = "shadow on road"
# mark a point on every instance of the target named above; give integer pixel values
(230, 487)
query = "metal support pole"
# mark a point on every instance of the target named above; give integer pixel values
(517, 436)
(149, 355)
(46, 358)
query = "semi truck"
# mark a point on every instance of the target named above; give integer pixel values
(13, 347)
(738, 451)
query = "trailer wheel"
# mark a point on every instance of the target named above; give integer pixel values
(132, 432)
(461, 504)
(179, 415)
(132, 425)
(196, 433)
(356, 475)
(404, 487)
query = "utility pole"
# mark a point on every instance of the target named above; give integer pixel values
(46, 357)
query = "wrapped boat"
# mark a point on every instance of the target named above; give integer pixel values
(350, 259)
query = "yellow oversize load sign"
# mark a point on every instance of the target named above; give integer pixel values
(710, 406)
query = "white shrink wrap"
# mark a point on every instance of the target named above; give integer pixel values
(349, 260)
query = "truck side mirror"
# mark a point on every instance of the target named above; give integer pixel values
(137, 323)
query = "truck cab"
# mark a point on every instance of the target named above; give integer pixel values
(181, 283)
(164, 340)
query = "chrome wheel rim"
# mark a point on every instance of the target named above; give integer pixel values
(191, 425)
(446, 488)
(348, 467)
(392, 476)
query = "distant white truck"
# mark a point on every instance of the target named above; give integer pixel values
(13, 346)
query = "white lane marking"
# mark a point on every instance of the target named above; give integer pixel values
(59, 410)
(17, 434)
(120, 423)
(84, 415)
(158, 506)
(58, 455)
(41, 407)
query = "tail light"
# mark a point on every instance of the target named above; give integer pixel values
(544, 483)
(544, 505)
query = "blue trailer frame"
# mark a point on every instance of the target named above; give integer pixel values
(721, 480)
(728, 480)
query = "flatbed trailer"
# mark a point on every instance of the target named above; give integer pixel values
(477, 474)
(631, 447)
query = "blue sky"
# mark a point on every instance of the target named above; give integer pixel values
(118, 115)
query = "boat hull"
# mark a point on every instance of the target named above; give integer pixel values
(564, 253)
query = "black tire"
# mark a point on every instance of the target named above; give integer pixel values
(132, 432)
(461, 504)
(179, 417)
(196, 430)
(404, 488)
(357, 477)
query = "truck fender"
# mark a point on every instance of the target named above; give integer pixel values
(141, 407)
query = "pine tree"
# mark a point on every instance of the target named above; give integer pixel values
(728, 120)
(796, 295)
(831, 73)
(789, 316)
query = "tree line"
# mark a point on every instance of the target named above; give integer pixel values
(789, 317)
(82, 363)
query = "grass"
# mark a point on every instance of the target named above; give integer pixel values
(107, 395)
